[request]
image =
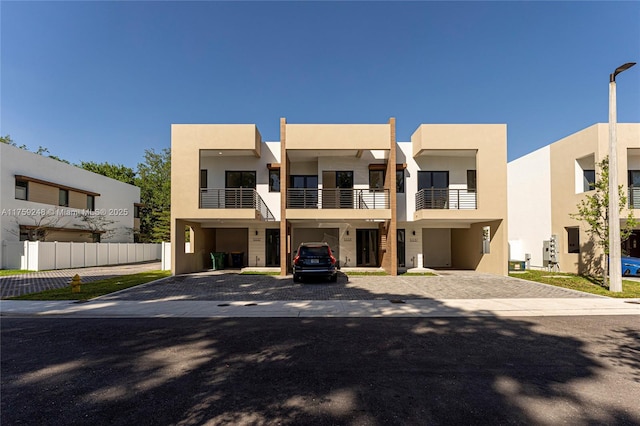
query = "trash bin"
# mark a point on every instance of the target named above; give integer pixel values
(217, 259)
(236, 259)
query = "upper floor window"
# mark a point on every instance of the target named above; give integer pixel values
(433, 179)
(274, 180)
(589, 180)
(63, 197)
(91, 202)
(400, 181)
(22, 190)
(471, 180)
(376, 179)
(203, 178)
(240, 179)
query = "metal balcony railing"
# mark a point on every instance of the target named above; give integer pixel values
(234, 198)
(446, 199)
(634, 197)
(337, 198)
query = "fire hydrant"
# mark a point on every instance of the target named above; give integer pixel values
(75, 283)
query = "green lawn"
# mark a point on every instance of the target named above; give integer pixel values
(4, 272)
(96, 288)
(630, 289)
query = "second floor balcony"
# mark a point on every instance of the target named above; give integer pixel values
(634, 197)
(235, 198)
(337, 198)
(446, 199)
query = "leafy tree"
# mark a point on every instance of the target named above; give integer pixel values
(115, 171)
(7, 139)
(594, 210)
(154, 181)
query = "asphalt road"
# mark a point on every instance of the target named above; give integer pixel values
(325, 371)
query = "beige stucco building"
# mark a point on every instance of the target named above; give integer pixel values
(546, 186)
(438, 201)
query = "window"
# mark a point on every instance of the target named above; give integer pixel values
(400, 181)
(471, 180)
(376, 179)
(91, 202)
(22, 190)
(429, 179)
(589, 180)
(63, 197)
(203, 178)
(240, 179)
(573, 240)
(136, 211)
(274, 180)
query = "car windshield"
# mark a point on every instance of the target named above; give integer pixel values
(314, 251)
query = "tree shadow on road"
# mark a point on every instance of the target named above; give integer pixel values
(185, 371)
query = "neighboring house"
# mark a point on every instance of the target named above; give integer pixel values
(45, 199)
(546, 186)
(439, 200)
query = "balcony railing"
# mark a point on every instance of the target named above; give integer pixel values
(337, 198)
(234, 198)
(634, 197)
(446, 199)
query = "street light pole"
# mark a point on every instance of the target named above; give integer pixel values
(615, 267)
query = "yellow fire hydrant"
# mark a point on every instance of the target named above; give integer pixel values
(75, 283)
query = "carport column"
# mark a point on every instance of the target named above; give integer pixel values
(178, 258)
(390, 255)
(284, 183)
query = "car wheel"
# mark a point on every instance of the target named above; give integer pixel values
(626, 273)
(334, 278)
(296, 278)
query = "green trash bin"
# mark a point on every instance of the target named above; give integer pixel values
(218, 260)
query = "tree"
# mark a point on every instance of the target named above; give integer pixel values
(594, 210)
(42, 226)
(114, 171)
(154, 181)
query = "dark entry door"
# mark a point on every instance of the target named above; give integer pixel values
(273, 247)
(367, 247)
(401, 248)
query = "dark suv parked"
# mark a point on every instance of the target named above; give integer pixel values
(314, 260)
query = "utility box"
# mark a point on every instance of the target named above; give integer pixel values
(550, 251)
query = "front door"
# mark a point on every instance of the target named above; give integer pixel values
(272, 248)
(401, 249)
(367, 247)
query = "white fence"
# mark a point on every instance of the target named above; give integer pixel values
(39, 256)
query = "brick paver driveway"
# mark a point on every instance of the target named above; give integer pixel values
(232, 286)
(32, 282)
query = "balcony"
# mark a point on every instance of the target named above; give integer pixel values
(338, 198)
(446, 199)
(234, 198)
(634, 197)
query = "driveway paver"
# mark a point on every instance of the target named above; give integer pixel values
(232, 286)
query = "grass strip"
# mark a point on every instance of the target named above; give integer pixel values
(4, 272)
(93, 289)
(630, 289)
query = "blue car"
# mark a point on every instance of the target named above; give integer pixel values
(630, 266)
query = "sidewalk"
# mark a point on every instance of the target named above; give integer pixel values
(167, 308)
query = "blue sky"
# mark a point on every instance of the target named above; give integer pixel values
(103, 81)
